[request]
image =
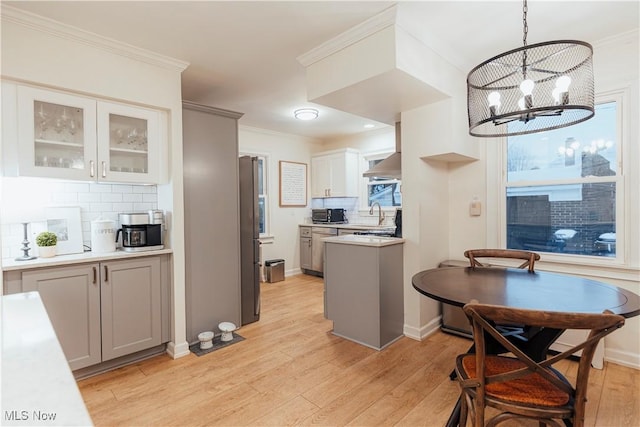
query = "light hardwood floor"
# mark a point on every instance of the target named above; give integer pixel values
(290, 370)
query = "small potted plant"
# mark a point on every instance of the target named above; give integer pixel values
(46, 242)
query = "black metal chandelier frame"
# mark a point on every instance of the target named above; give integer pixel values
(498, 106)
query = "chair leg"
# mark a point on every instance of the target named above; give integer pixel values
(462, 422)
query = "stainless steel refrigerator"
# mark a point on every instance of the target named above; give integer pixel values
(249, 243)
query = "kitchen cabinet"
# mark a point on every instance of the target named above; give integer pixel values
(101, 311)
(211, 179)
(335, 174)
(305, 248)
(346, 231)
(130, 306)
(364, 290)
(71, 296)
(67, 136)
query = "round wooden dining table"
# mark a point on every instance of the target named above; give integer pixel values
(520, 288)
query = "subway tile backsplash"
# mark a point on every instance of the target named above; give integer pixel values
(26, 198)
(352, 207)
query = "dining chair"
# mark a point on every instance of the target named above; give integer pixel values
(529, 257)
(516, 385)
(521, 332)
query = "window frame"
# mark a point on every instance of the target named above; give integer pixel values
(622, 196)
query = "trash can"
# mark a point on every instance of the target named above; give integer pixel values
(274, 270)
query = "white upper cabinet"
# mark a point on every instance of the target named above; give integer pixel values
(66, 136)
(128, 143)
(56, 134)
(335, 174)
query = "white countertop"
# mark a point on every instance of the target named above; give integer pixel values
(38, 388)
(374, 241)
(9, 264)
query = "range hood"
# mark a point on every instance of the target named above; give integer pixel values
(391, 167)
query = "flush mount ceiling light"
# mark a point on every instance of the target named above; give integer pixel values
(306, 114)
(530, 89)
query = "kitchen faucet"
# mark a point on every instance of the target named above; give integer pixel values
(380, 213)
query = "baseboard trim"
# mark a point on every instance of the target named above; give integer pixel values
(622, 358)
(178, 350)
(424, 331)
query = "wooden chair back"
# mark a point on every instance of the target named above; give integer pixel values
(517, 385)
(529, 257)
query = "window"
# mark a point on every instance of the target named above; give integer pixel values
(561, 187)
(383, 190)
(262, 194)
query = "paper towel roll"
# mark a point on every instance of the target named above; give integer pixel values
(103, 236)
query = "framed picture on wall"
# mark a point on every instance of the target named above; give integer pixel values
(293, 184)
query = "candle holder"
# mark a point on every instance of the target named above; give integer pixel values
(25, 245)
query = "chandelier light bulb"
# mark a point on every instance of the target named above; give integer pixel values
(563, 83)
(521, 103)
(527, 87)
(494, 103)
(494, 99)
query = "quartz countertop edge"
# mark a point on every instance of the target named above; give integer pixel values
(38, 387)
(9, 264)
(374, 241)
(351, 226)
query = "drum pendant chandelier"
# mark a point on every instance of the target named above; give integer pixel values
(531, 89)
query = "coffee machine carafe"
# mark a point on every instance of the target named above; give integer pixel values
(141, 231)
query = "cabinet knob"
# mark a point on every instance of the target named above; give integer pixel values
(104, 169)
(95, 275)
(106, 273)
(92, 168)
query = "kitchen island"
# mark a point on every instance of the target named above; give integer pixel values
(312, 241)
(38, 387)
(363, 288)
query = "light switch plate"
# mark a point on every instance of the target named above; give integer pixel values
(475, 208)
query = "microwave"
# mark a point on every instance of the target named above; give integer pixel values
(328, 215)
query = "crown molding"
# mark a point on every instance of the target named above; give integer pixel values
(353, 35)
(631, 35)
(58, 29)
(189, 105)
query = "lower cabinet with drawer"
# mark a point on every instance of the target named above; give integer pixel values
(102, 311)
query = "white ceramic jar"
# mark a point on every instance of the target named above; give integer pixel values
(103, 236)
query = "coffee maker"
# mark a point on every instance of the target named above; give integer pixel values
(141, 231)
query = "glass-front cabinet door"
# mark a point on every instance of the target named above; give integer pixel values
(56, 134)
(128, 143)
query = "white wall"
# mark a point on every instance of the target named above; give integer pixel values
(283, 221)
(41, 52)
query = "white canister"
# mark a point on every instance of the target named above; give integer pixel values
(103, 236)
